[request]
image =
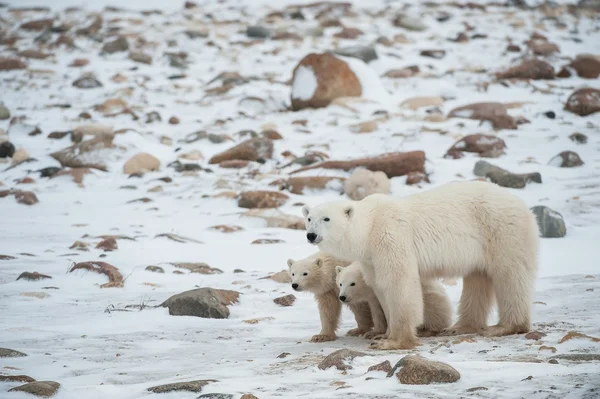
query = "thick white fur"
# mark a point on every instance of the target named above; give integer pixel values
(437, 309)
(316, 274)
(475, 230)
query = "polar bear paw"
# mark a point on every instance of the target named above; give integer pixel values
(374, 335)
(355, 332)
(322, 338)
(501, 330)
(459, 330)
(388, 344)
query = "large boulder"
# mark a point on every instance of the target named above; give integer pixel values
(416, 370)
(318, 79)
(584, 102)
(202, 302)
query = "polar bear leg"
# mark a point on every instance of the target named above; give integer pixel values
(330, 309)
(379, 321)
(437, 309)
(364, 320)
(475, 303)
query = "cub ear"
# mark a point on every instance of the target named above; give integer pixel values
(305, 210)
(290, 262)
(338, 269)
(319, 262)
(348, 211)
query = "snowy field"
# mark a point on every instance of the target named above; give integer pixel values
(96, 345)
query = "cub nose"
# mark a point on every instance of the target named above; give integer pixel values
(311, 237)
(343, 298)
(295, 286)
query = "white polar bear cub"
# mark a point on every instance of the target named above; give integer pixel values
(475, 230)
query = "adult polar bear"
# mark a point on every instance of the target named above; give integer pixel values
(474, 230)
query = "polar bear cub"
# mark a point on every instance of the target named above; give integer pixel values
(475, 230)
(437, 309)
(316, 274)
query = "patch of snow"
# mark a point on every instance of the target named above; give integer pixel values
(372, 86)
(556, 161)
(305, 83)
(465, 113)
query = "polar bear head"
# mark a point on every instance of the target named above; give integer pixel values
(306, 274)
(351, 284)
(327, 224)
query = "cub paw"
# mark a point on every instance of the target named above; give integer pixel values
(322, 338)
(373, 335)
(355, 332)
(388, 344)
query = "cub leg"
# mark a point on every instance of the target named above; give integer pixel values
(330, 309)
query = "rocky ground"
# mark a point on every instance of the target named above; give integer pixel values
(165, 148)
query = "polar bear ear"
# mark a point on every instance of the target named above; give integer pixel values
(338, 269)
(319, 262)
(305, 210)
(290, 262)
(348, 211)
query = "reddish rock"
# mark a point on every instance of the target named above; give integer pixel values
(513, 48)
(535, 335)
(349, 33)
(9, 64)
(339, 359)
(38, 25)
(542, 47)
(234, 164)
(529, 69)
(108, 244)
(416, 177)
(386, 367)
(416, 370)
(272, 134)
(34, 54)
(331, 77)
(297, 185)
(286, 300)
(402, 73)
(257, 149)
(437, 54)
(26, 197)
(174, 120)
(486, 146)
(262, 199)
(585, 66)
(584, 101)
(490, 111)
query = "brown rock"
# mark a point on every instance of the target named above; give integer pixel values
(297, 185)
(437, 54)
(108, 244)
(79, 62)
(535, 335)
(33, 276)
(115, 279)
(386, 367)
(542, 47)
(234, 164)
(9, 64)
(248, 396)
(26, 197)
(44, 389)
(578, 357)
(416, 178)
(202, 302)
(282, 277)
(34, 54)
(174, 120)
(257, 150)
(4, 352)
(155, 269)
(529, 69)
(584, 101)
(140, 57)
(190, 386)
(115, 46)
(491, 111)
(198, 267)
(227, 228)
(513, 48)
(566, 159)
(334, 79)
(87, 154)
(267, 241)
(262, 199)
(271, 134)
(416, 370)
(339, 358)
(349, 33)
(585, 66)
(575, 334)
(79, 246)
(503, 177)
(402, 73)
(26, 180)
(16, 378)
(276, 219)
(38, 25)
(579, 138)
(286, 300)
(485, 145)
(141, 163)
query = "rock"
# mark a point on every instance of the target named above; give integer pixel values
(140, 163)
(267, 241)
(276, 219)
(409, 23)
(416, 370)
(34, 54)
(550, 222)
(87, 82)
(503, 177)
(364, 127)
(87, 154)
(44, 389)
(152, 117)
(33, 276)
(117, 45)
(513, 48)
(190, 386)
(402, 73)
(215, 396)
(364, 53)
(386, 367)
(248, 396)
(261, 199)
(108, 244)
(339, 358)
(198, 267)
(485, 145)
(79, 62)
(202, 302)
(318, 79)
(529, 69)
(155, 269)
(494, 112)
(593, 5)
(364, 182)
(348, 33)
(26, 198)
(282, 277)
(437, 54)
(258, 32)
(271, 134)
(578, 357)
(475, 389)
(542, 47)
(298, 185)
(413, 178)
(96, 129)
(79, 246)
(579, 138)
(550, 114)
(141, 57)
(4, 113)
(286, 300)
(535, 335)
(10, 64)
(7, 149)
(566, 159)
(584, 102)
(415, 103)
(16, 378)
(4, 352)
(174, 120)
(257, 150)
(586, 66)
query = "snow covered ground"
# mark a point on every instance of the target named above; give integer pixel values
(72, 330)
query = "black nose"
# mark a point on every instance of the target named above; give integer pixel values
(311, 237)
(294, 286)
(342, 298)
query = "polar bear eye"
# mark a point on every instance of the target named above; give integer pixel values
(293, 274)
(309, 219)
(340, 284)
(327, 219)
(352, 284)
(306, 274)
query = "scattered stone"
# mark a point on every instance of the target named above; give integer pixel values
(115, 46)
(364, 53)
(339, 359)
(227, 228)
(283, 355)
(402, 73)
(79, 62)
(20, 156)
(194, 155)
(198, 267)
(261, 199)
(79, 246)
(437, 54)
(513, 48)
(542, 47)
(174, 120)
(258, 32)
(115, 279)
(550, 222)
(416, 370)
(267, 241)
(7, 149)
(286, 300)
(10, 64)
(4, 352)
(364, 127)
(578, 357)
(44, 389)
(535, 335)
(257, 149)
(586, 66)
(409, 23)
(274, 218)
(140, 57)
(485, 145)
(584, 102)
(26, 197)
(475, 389)
(190, 386)
(547, 348)
(87, 82)
(33, 54)
(35, 276)
(4, 113)
(503, 177)
(318, 79)
(87, 154)
(5, 257)
(349, 33)
(385, 366)
(364, 182)
(155, 269)
(248, 396)
(529, 69)
(141, 163)
(271, 134)
(202, 302)
(494, 112)
(16, 378)
(282, 277)
(579, 138)
(413, 178)
(107, 245)
(574, 334)
(415, 103)
(152, 117)
(566, 159)
(298, 185)
(215, 396)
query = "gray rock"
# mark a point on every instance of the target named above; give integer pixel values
(155, 269)
(141, 57)
(4, 352)
(258, 32)
(202, 302)
(339, 358)
(87, 82)
(4, 113)
(550, 222)
(503, 177)
(44, 389)
(216, 396)
(365, 53)
(190, 386)
(566, 159)
(116, 46)
(416, 370)
(578, 357)
(589, 4)
(410, 23)
(7, 149)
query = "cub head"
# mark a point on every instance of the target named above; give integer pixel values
(306, 274)
(351, 283)
(327, 224)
